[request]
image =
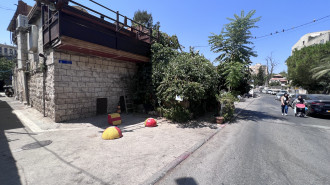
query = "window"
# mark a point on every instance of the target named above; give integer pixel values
(11, 51)
(0, 50)
(6, 50)
(15, 52)
(322, 41)
(303, 42)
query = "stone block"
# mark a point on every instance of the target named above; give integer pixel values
(71, 72)
(81, 84)
(66, 78)
(83, 59)
(65, 56)
(75, 58)
(62, 72)
(76, 79)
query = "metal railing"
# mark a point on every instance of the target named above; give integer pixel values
(141, 30)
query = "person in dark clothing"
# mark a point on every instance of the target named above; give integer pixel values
(284, 104)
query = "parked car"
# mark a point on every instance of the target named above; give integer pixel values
(269, 92)
(264, 91)
(283, 91)
(279, 95)
(274, 92)
(294, 97)
(318, 104)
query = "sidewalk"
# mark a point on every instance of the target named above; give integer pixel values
(78, 155)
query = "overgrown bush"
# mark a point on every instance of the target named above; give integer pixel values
(227, 105)
(176, 113)
(190, 76)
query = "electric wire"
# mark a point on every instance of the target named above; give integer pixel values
(292, 28)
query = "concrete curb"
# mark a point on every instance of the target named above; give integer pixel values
(27, 122)
(160, 174)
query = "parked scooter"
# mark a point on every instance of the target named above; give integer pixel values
(9, 91)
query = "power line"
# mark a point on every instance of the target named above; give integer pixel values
(292, 28)
(5, 8)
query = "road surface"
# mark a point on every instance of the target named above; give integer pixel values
(261, 147)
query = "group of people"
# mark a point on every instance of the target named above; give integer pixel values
(285, 103)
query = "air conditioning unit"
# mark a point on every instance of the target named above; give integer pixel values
(21, 21)
(33, 38)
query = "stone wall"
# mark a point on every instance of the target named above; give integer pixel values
(78, 85)
(35, 85)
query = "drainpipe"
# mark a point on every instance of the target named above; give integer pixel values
(26, 88)
(44, 69)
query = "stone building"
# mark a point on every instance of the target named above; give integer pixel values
(311, 39)
(8, 51)
(255, 69)
(73, 64)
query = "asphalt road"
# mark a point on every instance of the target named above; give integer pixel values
(261, 147)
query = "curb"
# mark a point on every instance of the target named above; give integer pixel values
(160, 174)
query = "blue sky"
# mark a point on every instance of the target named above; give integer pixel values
(193, 21)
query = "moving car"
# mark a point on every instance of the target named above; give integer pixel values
(318, 104)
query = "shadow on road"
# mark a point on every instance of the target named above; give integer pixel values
(251, 115)
(325, 117)
(186, 181)
(8, 171)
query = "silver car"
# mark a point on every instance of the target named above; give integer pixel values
(278, 96)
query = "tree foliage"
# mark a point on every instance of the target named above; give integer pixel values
(261, 76)
(284, 74)
(274, 83)
(235, 49)
(322, 70)
(189, 75)
(143, 17)
(233, 43)
(186, 74)
(300, 66)
(6, 67)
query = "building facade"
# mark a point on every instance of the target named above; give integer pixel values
(72, 64)
(279, 78)
(8, 51)
(255, 69)
(311, 39)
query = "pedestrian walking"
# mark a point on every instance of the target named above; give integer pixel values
(284, 104)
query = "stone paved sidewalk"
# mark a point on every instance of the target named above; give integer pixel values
(78, 155)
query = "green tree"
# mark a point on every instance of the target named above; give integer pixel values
(300, 66)
(233, 43)
(284, 74)
(191, 76)
(235, 49)
(6, 67)
(234, 73)
(322, 70)
(261, 77)
(144, 18)
(276, 83)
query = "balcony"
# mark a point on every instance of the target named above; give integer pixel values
(74, 29)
